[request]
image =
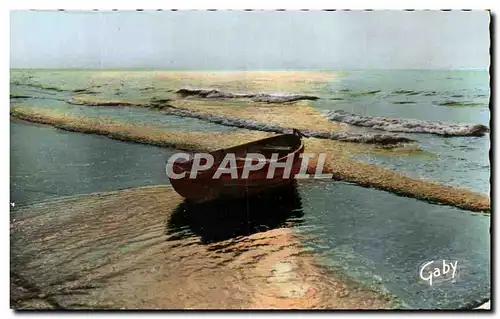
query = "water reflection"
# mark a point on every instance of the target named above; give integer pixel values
(47, 163)
(223, 219)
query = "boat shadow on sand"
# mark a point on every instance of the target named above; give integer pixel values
(223, 219)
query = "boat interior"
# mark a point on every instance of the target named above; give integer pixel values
(282, 144)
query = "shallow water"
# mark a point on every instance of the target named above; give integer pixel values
(425, 92)
(456, 96)
(48, 163)
(145, 248)
(372, 237)
(423, 95)
(461, 162)
(381, 239)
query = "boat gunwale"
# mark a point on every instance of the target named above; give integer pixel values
(226, 150)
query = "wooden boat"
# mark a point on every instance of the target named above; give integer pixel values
(204, 187)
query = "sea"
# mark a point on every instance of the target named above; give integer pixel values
(374, 237)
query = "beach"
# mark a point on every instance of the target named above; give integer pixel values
(122, 238)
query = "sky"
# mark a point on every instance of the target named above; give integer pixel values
(228, 40)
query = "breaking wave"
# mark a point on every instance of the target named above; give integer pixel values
(392, 124)
(411, 92)
(256, 97)
(162, 104)
(404, 102)
(25, 97)
(53, 88)
(369, 138)
(358, 94)
(457, 103)
(100, 103)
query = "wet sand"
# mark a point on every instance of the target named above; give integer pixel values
(458, 161)
(337, 160)
(115, 250)
(374, 237)
(298, 115)
(132, 248)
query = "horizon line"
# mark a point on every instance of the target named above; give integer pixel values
(240, 69)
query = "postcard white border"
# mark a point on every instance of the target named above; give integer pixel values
(180, 4)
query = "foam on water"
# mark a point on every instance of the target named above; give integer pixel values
(256, 97)
(392, 124)
(370, 138)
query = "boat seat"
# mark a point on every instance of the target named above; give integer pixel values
(277, 148)
(239, 158)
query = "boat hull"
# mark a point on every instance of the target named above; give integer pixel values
(205, 187)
